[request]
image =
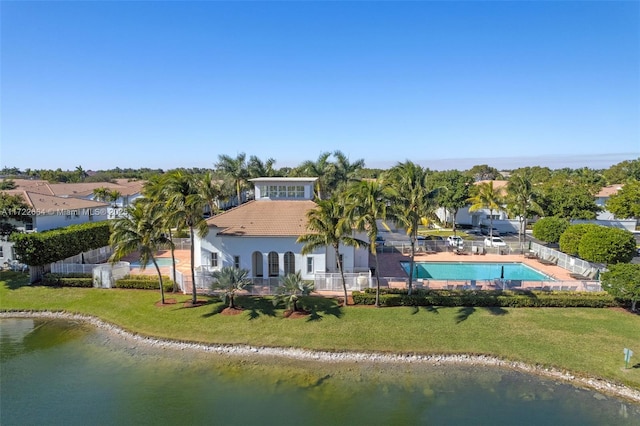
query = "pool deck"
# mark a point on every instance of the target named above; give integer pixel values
(390, 263)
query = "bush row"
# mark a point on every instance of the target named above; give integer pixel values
(41, 248)
(68, 280)
(144, 282)
(512, 299)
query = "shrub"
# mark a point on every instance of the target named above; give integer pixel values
(144, 282)
(570, 238)
(607, 245)
(68, 280)
(41, 248)
(513, 299)
(623, 281)
(549, 229)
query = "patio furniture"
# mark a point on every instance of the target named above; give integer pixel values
(553, 260)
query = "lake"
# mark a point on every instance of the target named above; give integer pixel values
(68, 372)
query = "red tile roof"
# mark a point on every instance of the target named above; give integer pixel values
(262, 218)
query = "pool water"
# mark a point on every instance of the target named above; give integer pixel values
(475, 271)
(162, 261)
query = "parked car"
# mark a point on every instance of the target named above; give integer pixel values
(455, 241)
(484, 230)
(494, 242)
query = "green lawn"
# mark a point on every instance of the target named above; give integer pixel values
(581, 340)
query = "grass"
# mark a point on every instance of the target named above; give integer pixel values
(581, 340)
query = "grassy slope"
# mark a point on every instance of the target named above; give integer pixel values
(585, 341)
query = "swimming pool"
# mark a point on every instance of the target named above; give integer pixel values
(162, 261)
(475, 271)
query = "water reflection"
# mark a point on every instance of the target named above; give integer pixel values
(61, 372)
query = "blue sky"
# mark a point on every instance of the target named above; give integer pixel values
(444, 84)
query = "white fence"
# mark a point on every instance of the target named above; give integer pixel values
(82, 263)
(570, 263)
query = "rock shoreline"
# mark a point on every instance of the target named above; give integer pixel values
(599, 385)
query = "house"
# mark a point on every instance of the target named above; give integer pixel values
(261, 235)
(482, 217)
(601, 200)
(46, 212)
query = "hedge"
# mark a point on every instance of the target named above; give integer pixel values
(68, 280)
(483, 298)
(41, 248)
(144, 282)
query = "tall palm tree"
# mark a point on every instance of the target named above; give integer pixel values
(212, 191)
(521, 201)
(101, 194)
(412, 203)
(236, 169)
(81, 173)
(231, 280)
(328, 227)
(154, 194)
(113, 196)
(345, 171)
(185, 205)
(139, 230)
(323, 169)
(257, 168)
(366, 202)
(487, 197)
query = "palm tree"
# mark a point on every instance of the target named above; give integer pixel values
(139, 230)
(455, 192)
(323, 169)
(101, 194)
(412, 202)
(155, 195)
(257, 168)
(113, 196)
(231, 280)
(81, 173)
(345, 172)
(521, 201)
(184, 205)
(328, 228)
(236, 169)
(212, 191)
(486, 198)
(366, 203)
(291, 288)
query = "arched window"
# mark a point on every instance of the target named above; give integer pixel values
(256, 264)
(274, 266)
(289, 263)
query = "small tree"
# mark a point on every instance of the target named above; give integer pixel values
(607, 245)
(549, 229)
(291, 288)
(623, 281)
(231, 280)
(571, 237)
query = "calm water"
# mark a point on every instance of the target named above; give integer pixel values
(61, 372)
(475, 271)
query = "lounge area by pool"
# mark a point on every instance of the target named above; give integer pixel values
(475, 271)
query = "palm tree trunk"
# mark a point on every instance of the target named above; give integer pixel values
(173, 262)
(411, 263)
(193, 269)
(344, 282)
(377, 281)
(153, 259)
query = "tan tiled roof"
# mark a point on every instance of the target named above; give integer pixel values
(608, 191)
(39, 186)
(79, 189)
(264, 218)
(49, 204)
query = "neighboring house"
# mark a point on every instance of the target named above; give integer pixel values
(601, 200)
(481, 217)
(46, 212)
(261, 235)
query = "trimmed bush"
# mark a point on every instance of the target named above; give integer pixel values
(607, 245)
(549, 229)
(570, 238)
(144, 282)
(68, 280)
(513, 299)
(41, 248)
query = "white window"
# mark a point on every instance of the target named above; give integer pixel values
(274, 267)
(309, 265)
(214, 260)
(236, 262)
(289, 263)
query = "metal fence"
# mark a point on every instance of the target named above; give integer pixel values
(495, 284)
(565, 261)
